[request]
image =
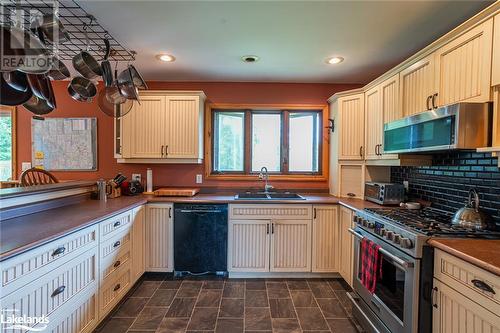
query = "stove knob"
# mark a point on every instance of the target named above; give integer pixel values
(396, 238)
(365, 223)
(406, 243)
(356, 219)
(389, 235)
(382, 232)
(371, 225)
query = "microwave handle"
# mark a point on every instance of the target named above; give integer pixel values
(397, 260)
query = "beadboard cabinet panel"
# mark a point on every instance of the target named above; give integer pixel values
(417, 86)
(290, 246)
(351, 127)
(389, 102)
(495, 67)
(325, 239)
(374, 122)
(352, 180)
(463, 67)
(138, 216)
(159, 238)
(249, 242)
(346, 245)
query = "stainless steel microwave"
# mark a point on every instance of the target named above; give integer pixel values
(455, 126)
(384, 193)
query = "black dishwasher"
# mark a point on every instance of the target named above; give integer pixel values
(200, 239)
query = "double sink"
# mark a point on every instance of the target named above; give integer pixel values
(268, 196)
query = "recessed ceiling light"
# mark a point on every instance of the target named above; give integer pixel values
(250, 58)
(165, 57)
(334, 60)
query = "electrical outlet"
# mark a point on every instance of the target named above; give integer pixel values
(25, 166)
(199, 179)
(136, 176)
(406, 185)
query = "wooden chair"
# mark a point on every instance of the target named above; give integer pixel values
(35, 176)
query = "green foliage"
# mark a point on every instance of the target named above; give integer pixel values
(5, 138)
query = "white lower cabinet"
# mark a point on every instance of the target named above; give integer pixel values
(139, 215)
(346, 245)
(159, 238)
(290, 246)
(249, 245)
(325, 239)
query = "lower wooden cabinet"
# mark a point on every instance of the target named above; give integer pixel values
(290, 246)
(138, 226)
(346, 245)
(325, 239)
(453, 312)
(249, 244)
(159, 238)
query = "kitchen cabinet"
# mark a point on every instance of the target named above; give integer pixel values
(351, 181)
(389, 98)
(417, 86)
(453, 312)
(159, 238)
(346, 245)
(249, 244)
(138, 216)
(495, 67)
(351, 127)
(374, 123)
(325, 238)
(167, 127)
(290, 246)
(463, 67)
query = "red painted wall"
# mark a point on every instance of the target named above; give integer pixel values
(174, 175)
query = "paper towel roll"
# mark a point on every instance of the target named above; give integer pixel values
(149, 180)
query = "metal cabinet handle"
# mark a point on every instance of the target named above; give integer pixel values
(166, 151)
(272, 228)
(117, 244)
(59, 250)
(116, 224)
(483, 286)
(434, 293)
(117, 263)
(434, 106)
(118, 286)
(427, 102)
(267, 228)
(170, 212)
(314, 216)
(361, 151)
(162, 150)
(58, 291)
(350, 194)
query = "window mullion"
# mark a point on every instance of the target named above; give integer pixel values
(248, 142)
(285, 116)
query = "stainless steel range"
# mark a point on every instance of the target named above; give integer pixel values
(401, 302)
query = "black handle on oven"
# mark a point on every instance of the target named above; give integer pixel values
(387, 254)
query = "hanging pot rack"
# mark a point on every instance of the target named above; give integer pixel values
(77, 22)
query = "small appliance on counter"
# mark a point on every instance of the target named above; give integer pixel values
(384, 193)
(132, 188)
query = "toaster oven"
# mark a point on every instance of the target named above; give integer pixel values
(384, 193)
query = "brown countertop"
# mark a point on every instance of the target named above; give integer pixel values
(483, 253)
(23, 233)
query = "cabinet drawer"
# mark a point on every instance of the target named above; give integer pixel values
(24, 268)
(112, 291)
(111, 247)
(44, 296)
(460, 275)
(287, 211)
(115, 224)
(110, 265)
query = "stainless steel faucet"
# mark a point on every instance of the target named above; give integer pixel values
(264, 175)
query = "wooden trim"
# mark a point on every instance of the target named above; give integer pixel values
(323, 148)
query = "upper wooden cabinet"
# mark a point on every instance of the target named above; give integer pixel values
(463, 67)
(167, 127)
(495, 67)
(351, 114)
(417, 86)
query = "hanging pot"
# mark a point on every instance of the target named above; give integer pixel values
(107, 74)
(86, 64)
(58, 71)
(111, 109)
(132, 75)
(38, 106)
(16, 80)
(12, 97)
(53, 29)
(128, 87)
(82, 89)
(39, 84)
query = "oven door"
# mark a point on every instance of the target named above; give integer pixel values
(395, 300)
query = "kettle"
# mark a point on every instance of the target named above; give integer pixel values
(469, 217)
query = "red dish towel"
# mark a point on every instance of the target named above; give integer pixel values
(371, 264)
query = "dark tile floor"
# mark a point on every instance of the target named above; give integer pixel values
(159, 303)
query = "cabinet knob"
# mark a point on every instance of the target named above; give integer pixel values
(118, 286)
(117, 244)
(59, 250)
(117, 263)
(116, 224)
(58, 291)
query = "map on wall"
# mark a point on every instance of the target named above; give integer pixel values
(64, 143)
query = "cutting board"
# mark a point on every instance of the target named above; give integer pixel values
(176, 192)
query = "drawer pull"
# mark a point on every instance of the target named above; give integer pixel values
(350, 194)
(118, 263)
(118, 286)
(59, 250)
(483, 286)
(117, 244)
(58, 291)
(116, 224)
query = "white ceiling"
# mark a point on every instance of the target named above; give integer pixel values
(292, 38)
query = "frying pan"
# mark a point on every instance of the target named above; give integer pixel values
(109, 108)
(107, 74)
(82, 89)
(38, 106)
(86, 64)
(12, 97)
(132, 74)
(58, 71)
(16, 80)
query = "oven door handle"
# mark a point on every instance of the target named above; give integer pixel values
(397, 260)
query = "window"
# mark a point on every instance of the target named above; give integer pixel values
(7, 143)
(287, 142)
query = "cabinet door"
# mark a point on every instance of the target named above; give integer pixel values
(374, 123)
(183, 130)
(417, 84)
(248, 245)
(351, 181)
(352, 127)
(290, 246)
(144, 128)
(346, 245)
(463, 67)
(495, 67)
(453, 312)
(159, 240)
(138, 243)
(325, 239)
(389, 96)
